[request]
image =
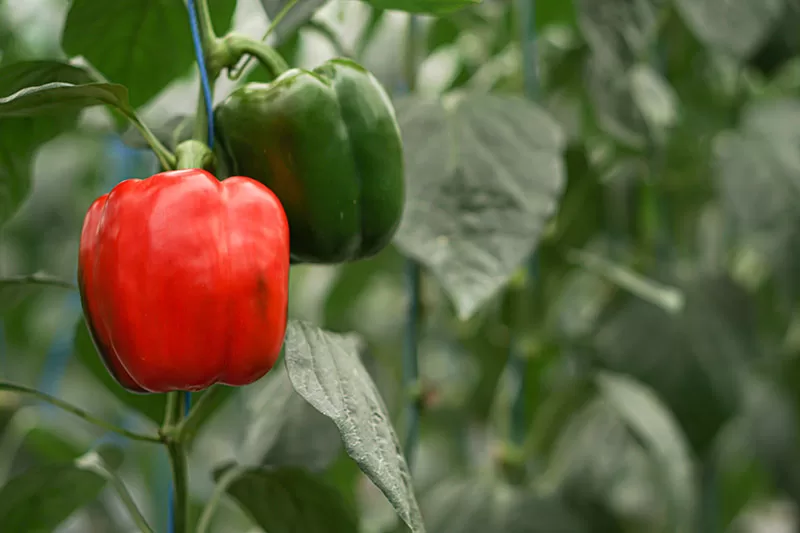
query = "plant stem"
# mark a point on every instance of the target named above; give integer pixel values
(165, 157)
(200, 130)
(205, 24)
(188, 427)
(194, 154)
(517, 359)
(411, 381)
(38, 279)
(124, 495)
(77, 411)
(178, 461)
(216, 497)
(411, 55)
(237, 72)
(205, 46)
(265, 54)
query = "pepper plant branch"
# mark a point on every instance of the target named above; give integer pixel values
(411, 383)
(38, 278)
(194, 154)
(237, 71)
(204, 523)
(77, 411)
(187, 429)
(124, 494)
(165, 157)
(207, 33)
(517, 359)
(271, 60)
(205, 43)
(200, 129)
(176, 402)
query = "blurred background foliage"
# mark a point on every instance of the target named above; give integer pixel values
(662, 330)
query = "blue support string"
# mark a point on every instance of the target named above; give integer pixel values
(201, 65)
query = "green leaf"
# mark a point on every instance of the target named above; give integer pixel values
(758, 174)
(285, 430)
(769, 423)
(326, 370)
(20, 138)
(737, 27)
(14, 289)
(622, 29)
(17, 76)
(598, 464)
(50, 445)
(660, 435)
(484, 175)
(141, 44)
(689, 358)
(55, 96)
(655, 99)
(150, 405)
(290, 500)
(431, 7)
(608, 87)
(40, 499)
(298, 15)
(477, 506)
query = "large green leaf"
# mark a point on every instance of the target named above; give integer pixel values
(17, 76)
(655, 427)
(610, 91)
(57, 96)
(20, 138)
(736, 27)
(622, 29)
(40, 499)
(606, 458)
(289, 500)
(758, 175)
(484, 175)
(478, 506)
(142, 44)
(326, 370)
(691, 356)
(285, 430)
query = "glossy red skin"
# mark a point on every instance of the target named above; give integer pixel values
(184, 280)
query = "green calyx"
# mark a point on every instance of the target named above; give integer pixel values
(326, 142)
(194, 154)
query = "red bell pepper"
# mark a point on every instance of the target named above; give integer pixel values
(184, 280)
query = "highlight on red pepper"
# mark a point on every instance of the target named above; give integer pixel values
(184, 280)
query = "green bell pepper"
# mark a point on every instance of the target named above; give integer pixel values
(326, 142)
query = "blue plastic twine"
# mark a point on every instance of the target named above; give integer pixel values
(201, 65)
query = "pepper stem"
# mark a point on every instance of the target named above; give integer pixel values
(178, 461)
(239, 45)
(194, 154)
